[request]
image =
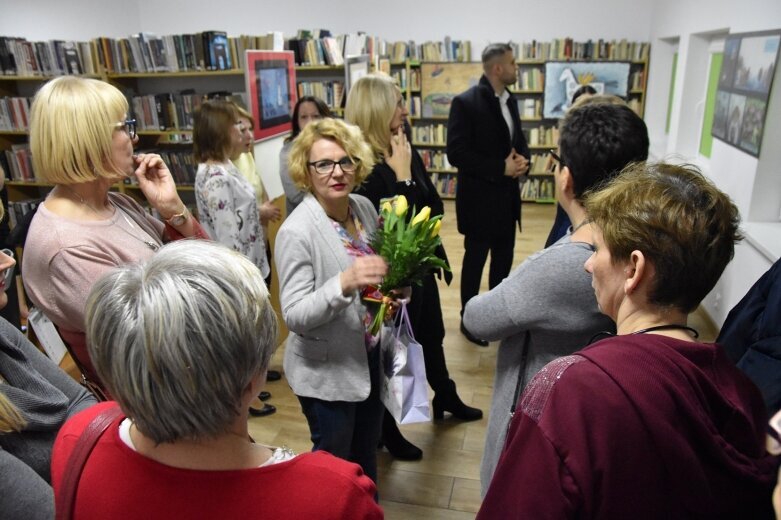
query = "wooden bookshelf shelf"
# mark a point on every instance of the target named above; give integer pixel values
(442, 170)
(530, 91)
(13, 132)
(306, 68)
(429, 145)
(43, 78)
(531, 119)
(170, 132)
(182, 74)
(542, 146)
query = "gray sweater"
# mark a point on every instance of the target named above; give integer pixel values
(550, 296)
(47, 397)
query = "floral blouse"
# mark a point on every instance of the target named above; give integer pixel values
(228, 210)
(356, 247)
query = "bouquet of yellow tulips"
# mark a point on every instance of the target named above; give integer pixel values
(409, 248)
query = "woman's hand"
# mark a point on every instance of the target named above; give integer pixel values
(157, 184)
(400, 160)
(269, 213)
(398, 297)
(366, 270)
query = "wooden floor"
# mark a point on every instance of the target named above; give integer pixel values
(445, 483)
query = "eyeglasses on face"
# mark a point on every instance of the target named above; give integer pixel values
(129, 126)
(327, 166)
(558, 159)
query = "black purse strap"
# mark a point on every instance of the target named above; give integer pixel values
(521, 374)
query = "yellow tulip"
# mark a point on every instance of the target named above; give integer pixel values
(435, 229)
(423, 216)
(386, 207)
(401, 205)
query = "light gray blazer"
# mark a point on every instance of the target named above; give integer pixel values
(325, 356)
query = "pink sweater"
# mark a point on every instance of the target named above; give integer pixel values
(63, 258)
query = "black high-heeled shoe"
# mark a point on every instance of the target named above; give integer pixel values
(447, 400)
(394, 441)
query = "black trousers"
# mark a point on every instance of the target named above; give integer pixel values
(425, 312)
(476, 250)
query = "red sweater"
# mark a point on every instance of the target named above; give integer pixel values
(120, 483)
(639, 427)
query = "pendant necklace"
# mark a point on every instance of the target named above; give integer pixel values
(154, 246)
(341, 222)
(670, 326)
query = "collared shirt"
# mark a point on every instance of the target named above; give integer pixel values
(508, 118)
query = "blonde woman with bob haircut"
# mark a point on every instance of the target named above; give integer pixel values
(648, 423)
(325, 261)
(82, 140)
(183, 342)
(376, 106)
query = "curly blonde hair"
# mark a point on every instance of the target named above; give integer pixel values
(347, 136)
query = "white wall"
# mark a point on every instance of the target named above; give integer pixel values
(754, 184)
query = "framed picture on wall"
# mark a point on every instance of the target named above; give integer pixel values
(271, 87)
(441, 82)
(564, 78)
(355, 67)
(745, 83)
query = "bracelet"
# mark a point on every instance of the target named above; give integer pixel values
(407, 182)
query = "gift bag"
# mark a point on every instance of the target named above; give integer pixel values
(404, 389)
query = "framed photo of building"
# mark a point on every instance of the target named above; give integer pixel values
(271, 88)
(745, 82)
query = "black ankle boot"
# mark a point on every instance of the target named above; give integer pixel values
(397, 445)
(447, 400)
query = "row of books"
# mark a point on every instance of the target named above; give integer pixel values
(45, 58)
(415, 106)
(147, 52)
(430, 134)
(14, 113)
(538, 189)
(435, 159)
(637, 80)
(543, 136)
(166, 110)
(530, 108)
(329, 91)
(541, 164)
(18, 163)
(446, 183)
(181, 164)
(411, 81)
(18, 209)
(568, 49)
(530, 79)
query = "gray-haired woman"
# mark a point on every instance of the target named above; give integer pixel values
(183, 343)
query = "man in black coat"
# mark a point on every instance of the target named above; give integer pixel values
(486, 144)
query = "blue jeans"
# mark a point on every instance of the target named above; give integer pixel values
(349, 430)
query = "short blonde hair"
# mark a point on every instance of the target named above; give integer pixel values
(347, 136)
(72, 125)
(681, 222)
(370, 105)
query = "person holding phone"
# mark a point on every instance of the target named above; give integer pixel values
(82, 138)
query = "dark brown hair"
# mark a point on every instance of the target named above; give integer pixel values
(212, 123)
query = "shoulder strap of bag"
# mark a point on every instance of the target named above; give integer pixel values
(521, 373)
(66, 498)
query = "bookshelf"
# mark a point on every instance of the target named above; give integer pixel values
(542, 133)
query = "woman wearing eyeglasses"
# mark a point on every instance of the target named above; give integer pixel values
(82, 142)
(324, 262)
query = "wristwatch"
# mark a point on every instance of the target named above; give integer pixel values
(407, 182)
(179, 218)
